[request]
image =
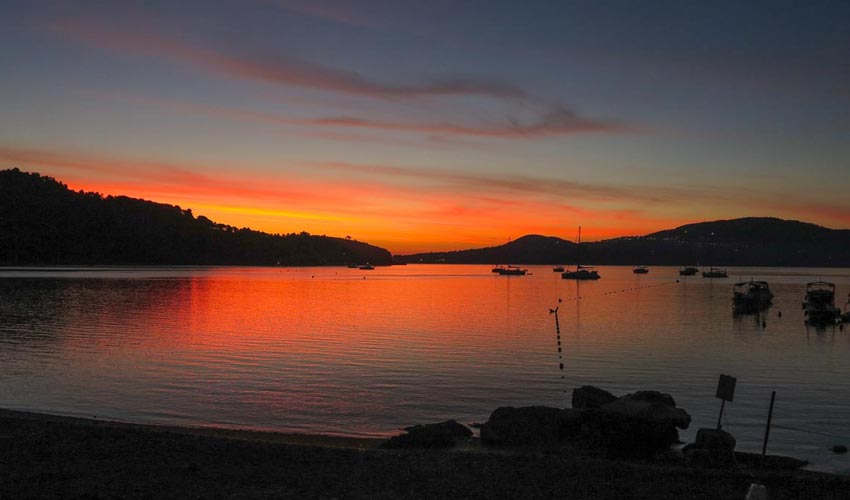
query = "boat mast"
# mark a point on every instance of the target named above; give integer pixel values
(578, 250)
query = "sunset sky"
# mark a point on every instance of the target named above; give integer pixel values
(437, 124)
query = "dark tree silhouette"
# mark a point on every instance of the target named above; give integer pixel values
(43, 222)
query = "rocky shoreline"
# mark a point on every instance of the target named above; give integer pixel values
(43, 456)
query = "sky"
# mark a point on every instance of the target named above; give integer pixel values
(440, 124)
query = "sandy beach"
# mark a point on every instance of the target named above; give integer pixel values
(44, 456)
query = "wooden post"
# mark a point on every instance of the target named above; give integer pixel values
(769, 418)
(719, 417)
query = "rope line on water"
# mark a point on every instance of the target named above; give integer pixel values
(614, 292)
(797, 429)
(583, 297)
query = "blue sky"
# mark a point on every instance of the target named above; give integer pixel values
(433, 125)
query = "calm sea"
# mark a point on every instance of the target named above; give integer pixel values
(362, 353)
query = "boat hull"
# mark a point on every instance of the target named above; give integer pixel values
(581, 275)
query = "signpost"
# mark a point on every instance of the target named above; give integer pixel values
(725, 392)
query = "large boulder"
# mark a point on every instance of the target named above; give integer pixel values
(713, 448)
(650, 405)
(641, 424)
(441, 435)
(530, 426)
(588, 396)
(625, 435)
(652, 397)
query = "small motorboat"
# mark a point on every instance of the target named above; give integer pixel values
(688, 271)
(751, 295)
(640, 270)
(558, 269)
(511, 271)
(715, 272)
(819, 303)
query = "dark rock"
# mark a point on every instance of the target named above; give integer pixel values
(653, 397)
(529, 426)
(442, 435)
(771, 462)
(625, 435)
(588, 396)
(713, 448)
(839, 448)
(650, 405)
(642, 424)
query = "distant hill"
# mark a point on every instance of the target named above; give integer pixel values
(44, 222)
(751, 241)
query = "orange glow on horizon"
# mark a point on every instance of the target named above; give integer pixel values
(393, 232)
(406, 210)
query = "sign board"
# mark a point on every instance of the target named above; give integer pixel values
(726, 388)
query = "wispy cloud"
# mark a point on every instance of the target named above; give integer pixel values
(511, 183)
(558, 122)
(181, 179)
(279, 68)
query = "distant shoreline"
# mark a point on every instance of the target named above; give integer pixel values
(47, 456)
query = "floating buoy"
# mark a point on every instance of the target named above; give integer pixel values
(780, 314)
(562, 366)
(764, 324)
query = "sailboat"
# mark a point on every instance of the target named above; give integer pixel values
(581, 272)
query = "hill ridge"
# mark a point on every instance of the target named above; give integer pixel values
(42, 221)
(747, 241)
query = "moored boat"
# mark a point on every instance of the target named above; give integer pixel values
(715, 272)
(366, 267)
(581, 272)
(751, 295)
(511, 271)
(688, 271)
(558, 269)
(819, 303)
(640, 270)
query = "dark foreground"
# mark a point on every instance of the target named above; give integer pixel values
(56, 457)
